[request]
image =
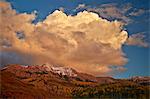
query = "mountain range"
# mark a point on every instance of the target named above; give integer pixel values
(45, 82)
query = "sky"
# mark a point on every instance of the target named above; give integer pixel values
(100, 37)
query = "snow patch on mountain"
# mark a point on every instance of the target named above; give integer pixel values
(61, 70)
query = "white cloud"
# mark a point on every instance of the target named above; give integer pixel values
(85, 41)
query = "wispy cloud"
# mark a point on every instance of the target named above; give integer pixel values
(80, 6)
(137, 12)
(113, 11)
(61, 9)
(137, 39)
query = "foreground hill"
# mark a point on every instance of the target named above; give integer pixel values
(42, 82)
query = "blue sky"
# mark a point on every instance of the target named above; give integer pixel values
(138, 64)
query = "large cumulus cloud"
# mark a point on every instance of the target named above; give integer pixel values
(85, 42)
